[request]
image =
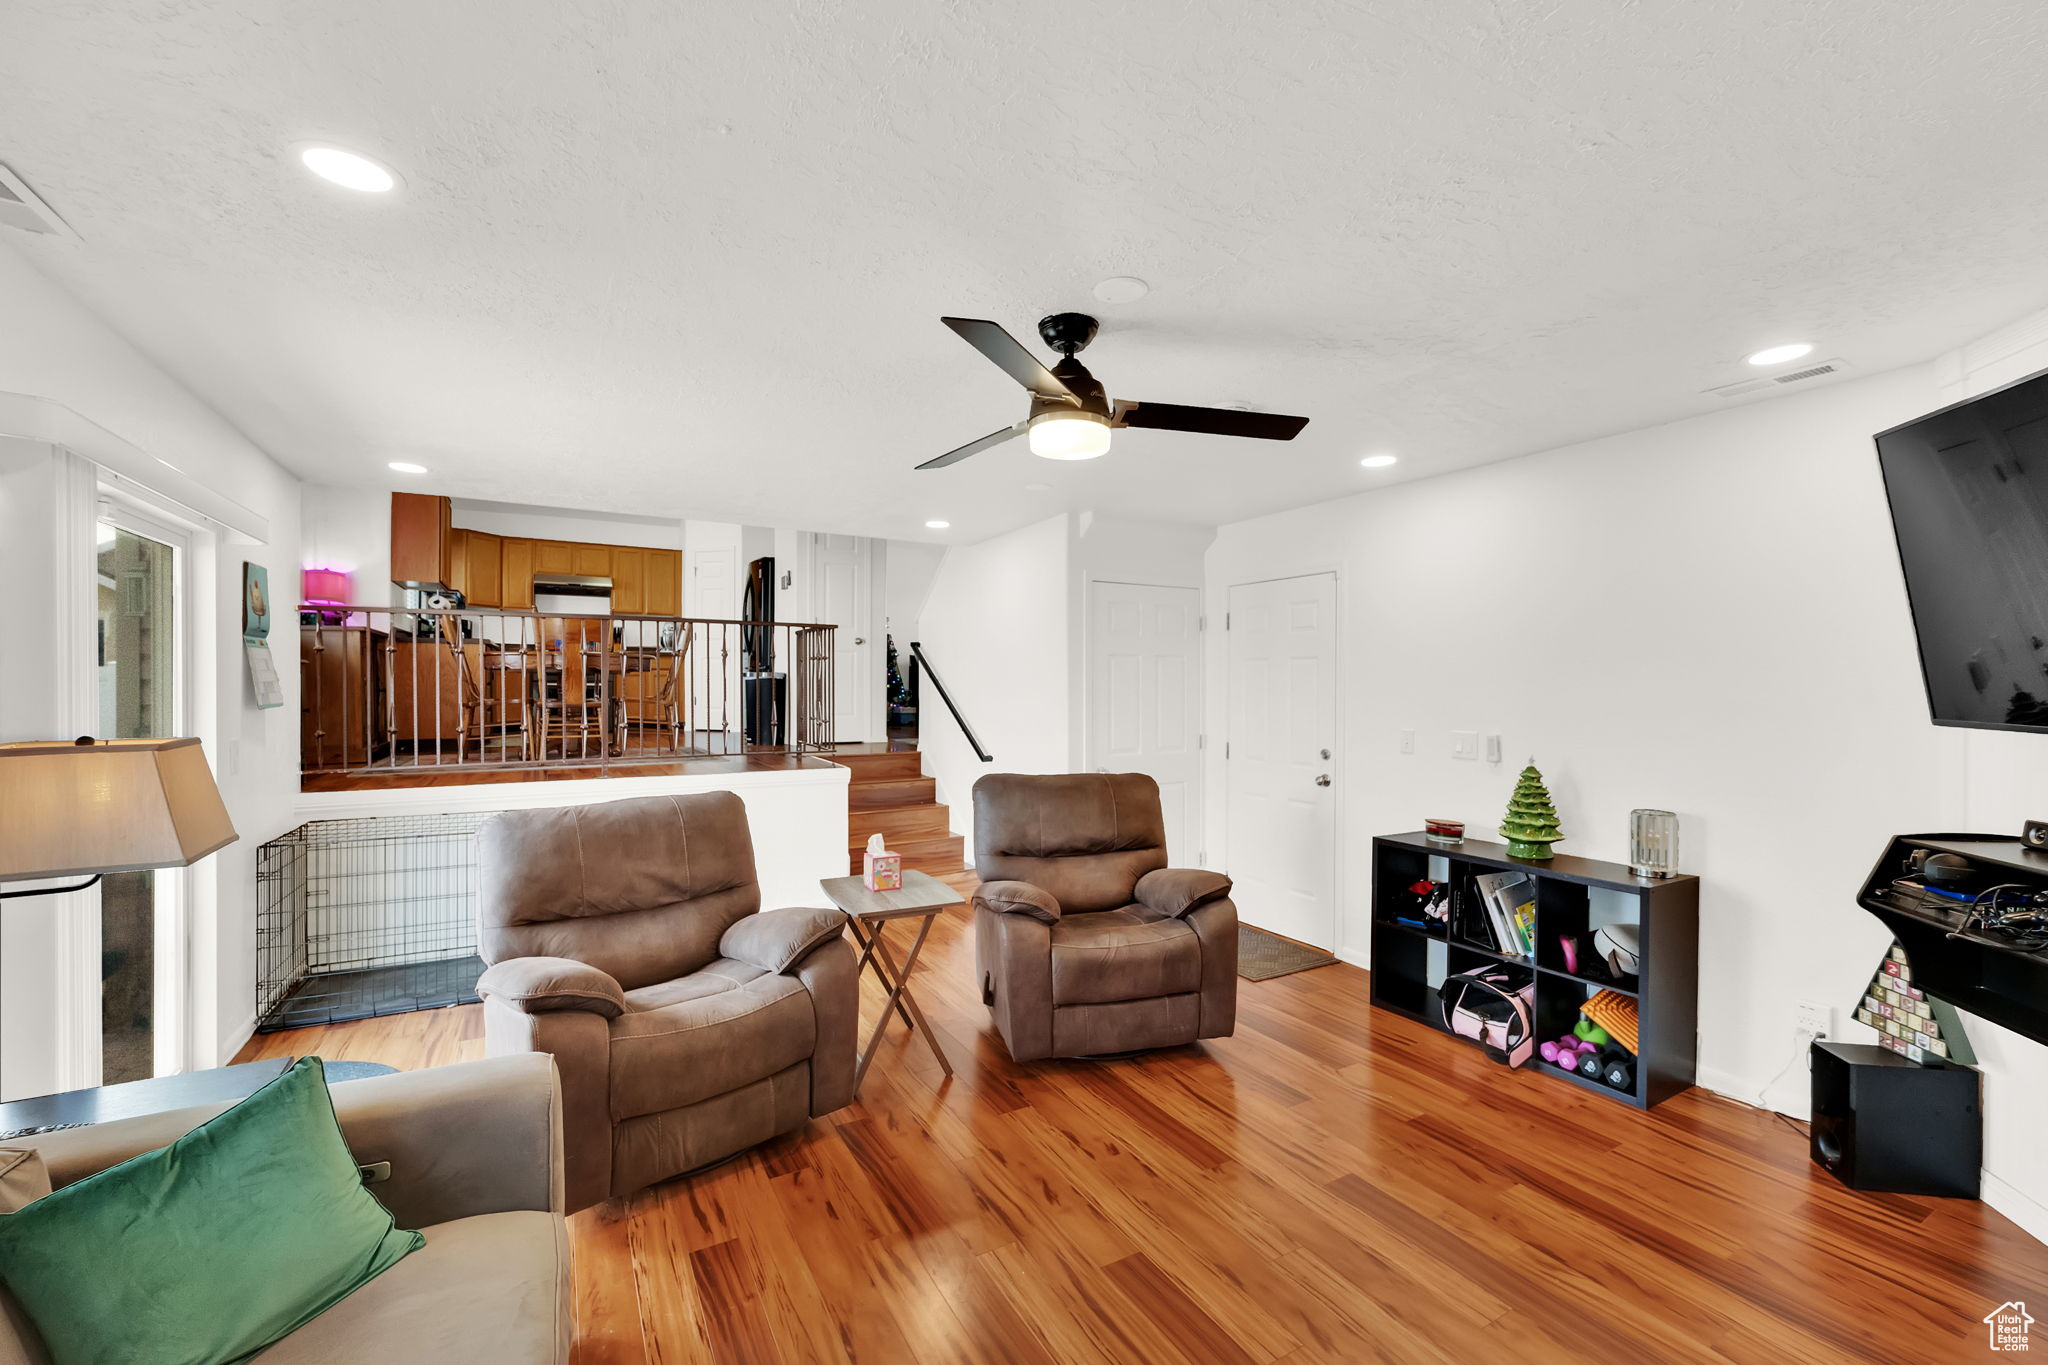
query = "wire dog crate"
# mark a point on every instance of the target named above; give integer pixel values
(356, 918)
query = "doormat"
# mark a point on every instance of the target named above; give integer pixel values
(1262, 956)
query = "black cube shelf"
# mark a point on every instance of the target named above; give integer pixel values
(1408, 963)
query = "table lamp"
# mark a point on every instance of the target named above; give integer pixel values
(328, 592)
(87, 809)
(90, 807)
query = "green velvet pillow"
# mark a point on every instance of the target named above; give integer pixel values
(208, 1250)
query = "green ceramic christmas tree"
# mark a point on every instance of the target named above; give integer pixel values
(1530, 826)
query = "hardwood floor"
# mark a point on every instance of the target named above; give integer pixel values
(1331, 1184)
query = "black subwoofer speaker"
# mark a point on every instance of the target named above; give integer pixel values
(1883, 1123)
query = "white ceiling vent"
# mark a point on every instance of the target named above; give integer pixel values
(1744, 387)
(21, 207)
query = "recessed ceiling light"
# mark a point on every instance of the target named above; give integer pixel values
(1379, 461)
(1122, 289)
(350, 170)
(1778, 355)
(937, 525)
(407, 467)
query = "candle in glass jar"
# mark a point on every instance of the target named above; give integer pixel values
(1652, 843)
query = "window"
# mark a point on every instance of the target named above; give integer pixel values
(141, 696)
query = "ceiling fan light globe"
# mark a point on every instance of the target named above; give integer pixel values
(1069, 435)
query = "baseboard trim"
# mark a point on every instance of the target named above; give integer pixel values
(239, 1035)
(1352, 956)
(2028, 1212)
(1786, 1098)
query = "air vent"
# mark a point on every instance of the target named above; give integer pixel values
(1810, 372)
(1742, 388)
(21, 207)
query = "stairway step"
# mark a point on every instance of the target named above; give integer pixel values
(939, 857)
(889, 767)
(906, 822)
(896, 791)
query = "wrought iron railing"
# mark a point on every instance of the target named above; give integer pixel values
(389, 690)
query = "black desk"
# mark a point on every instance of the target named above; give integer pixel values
(132, 1099)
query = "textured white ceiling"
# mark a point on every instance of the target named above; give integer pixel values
(690, 259)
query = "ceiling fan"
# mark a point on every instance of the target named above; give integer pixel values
(1071, 417)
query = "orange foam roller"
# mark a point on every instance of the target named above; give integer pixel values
(1617, 1014)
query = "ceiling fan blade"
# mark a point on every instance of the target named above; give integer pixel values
(994, 438)
(1009, 353)
(1266, 426)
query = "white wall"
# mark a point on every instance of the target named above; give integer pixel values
(52, 347)
(995, 628)
(909, 569)
(1126, 550)
(349, 529)
(797, 819)
(1706, 617)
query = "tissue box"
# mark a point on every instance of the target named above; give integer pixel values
(881, 871)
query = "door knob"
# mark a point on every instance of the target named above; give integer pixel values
(1322, 779)
(859, 641)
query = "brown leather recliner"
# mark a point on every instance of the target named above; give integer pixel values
(628, 940)
(1085, 941)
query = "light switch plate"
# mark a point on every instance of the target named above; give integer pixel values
(1465, 744)
(1407, 741)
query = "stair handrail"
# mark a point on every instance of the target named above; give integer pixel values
(925, 665)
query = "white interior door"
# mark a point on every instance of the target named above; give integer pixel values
(843, 597)
(1280, 766)
(1144, 698)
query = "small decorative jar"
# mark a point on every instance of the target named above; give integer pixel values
(1652, 843)
(1444, 831)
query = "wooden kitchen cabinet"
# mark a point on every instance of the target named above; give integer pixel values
(553, 556)
(664, 583)
(485, 562)
(344, 715)
(592, 561)
(629, 580)
(422, 540)
(516, 578)
(458, 562)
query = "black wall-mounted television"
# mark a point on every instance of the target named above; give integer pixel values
(1969, 493)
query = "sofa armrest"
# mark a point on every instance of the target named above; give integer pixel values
(535, 985)
(1173, 891)
(475, 1137)
(1019, 898)
(775, 940)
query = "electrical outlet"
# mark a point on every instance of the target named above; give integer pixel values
(1407, 741)
(1816, 1020)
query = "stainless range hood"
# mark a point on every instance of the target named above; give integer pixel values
(572, 585)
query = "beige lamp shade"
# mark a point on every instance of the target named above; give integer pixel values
(117, 806)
